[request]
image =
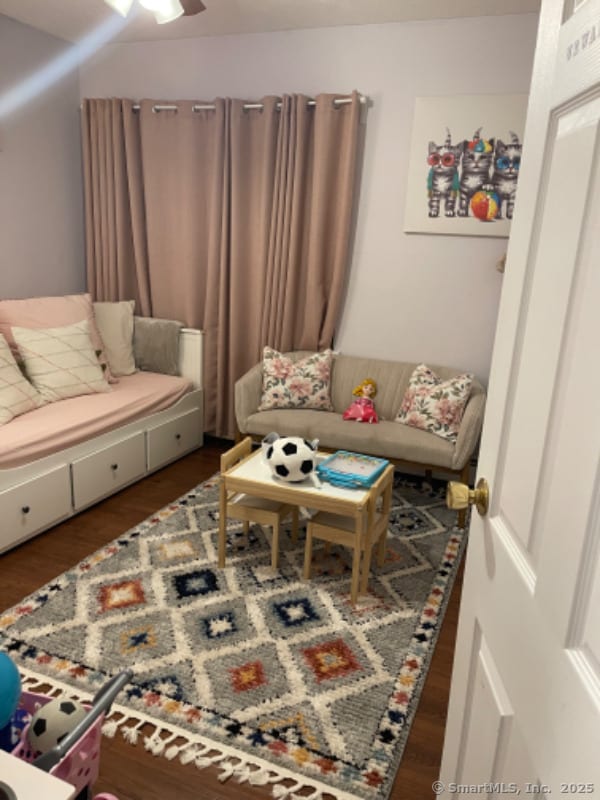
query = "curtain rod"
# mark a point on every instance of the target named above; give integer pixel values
(338, 101)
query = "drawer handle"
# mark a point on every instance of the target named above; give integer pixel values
(178, 436)
(114, 467)
(26, 509)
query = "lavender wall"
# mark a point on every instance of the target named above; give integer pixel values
(41, 216)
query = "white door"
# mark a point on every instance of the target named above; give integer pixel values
(525, 697)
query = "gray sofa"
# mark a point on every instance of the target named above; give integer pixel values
(401, 444)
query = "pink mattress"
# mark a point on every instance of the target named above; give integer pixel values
(68, 422)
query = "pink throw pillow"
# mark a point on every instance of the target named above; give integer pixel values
(52, 312)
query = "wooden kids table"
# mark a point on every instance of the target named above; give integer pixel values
(253, 476)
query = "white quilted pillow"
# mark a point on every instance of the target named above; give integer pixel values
(60, 362)
(17, 395)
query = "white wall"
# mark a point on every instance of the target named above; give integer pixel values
(410, 297)
(41, 215)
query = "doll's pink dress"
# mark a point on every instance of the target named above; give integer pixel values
(361, 410)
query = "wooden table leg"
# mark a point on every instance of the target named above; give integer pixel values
(357, 552)
(275, 546)
(385, 510)
(222, 521)
(307, 552)
(366, 564)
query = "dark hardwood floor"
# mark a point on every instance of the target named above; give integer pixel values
(130, 772)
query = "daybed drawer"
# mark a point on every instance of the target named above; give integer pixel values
(104, 472)
(172, 439)
(27, 508)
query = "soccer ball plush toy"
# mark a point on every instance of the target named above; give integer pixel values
(290, 458)
(52, 722)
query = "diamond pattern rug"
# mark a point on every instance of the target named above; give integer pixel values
(277, 681)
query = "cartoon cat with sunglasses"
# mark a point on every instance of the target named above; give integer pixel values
(443, 181)
(476, 163)
(507, 162)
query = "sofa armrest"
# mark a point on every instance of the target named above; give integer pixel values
(470, 428)
(191, 356)
(248, 391)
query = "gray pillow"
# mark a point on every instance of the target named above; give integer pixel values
(156, 344)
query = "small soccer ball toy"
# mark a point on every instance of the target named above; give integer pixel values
(290, 458)
(52, 722)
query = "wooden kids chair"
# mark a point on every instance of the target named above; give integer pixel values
(249, 509)
(336, 529)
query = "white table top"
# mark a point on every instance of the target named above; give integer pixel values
(255, 469)
(28, 782)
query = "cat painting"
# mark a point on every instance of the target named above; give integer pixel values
(507, 162)
(475, 169)
(465, 153)
(443, 181)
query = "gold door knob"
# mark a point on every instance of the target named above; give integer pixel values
(459, 496)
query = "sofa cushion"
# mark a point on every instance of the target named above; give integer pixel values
(433, 404)
(386, 439)
(17, 395)
(52, 312)
(60, 362)
(115, 324)
(296, 384)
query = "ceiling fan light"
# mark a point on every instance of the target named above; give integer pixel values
(169, 10)
(152, 5)
(122, 7)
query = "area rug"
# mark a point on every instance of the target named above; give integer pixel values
(276, 681)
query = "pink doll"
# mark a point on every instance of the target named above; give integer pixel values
(362, 409)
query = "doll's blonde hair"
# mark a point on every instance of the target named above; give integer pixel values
(367, 382)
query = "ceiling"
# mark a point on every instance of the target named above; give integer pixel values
(72, 19)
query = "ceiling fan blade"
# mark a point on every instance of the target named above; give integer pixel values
(191, 7)
(123, 7)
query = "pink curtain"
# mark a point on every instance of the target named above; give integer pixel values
(116, 247)
(315, 169)
(233, 220)
(185, 178)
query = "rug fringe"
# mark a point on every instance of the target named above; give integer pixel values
(231, 764)
(194, 748)
(131, 734)
(161, 742)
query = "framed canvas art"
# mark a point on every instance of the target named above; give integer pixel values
(464, 164)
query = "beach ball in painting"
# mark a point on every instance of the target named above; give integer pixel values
(484, 204)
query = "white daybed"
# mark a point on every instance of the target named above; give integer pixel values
(108, 441)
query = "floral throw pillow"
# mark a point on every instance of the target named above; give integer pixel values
(433, 404)
(296, 384)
